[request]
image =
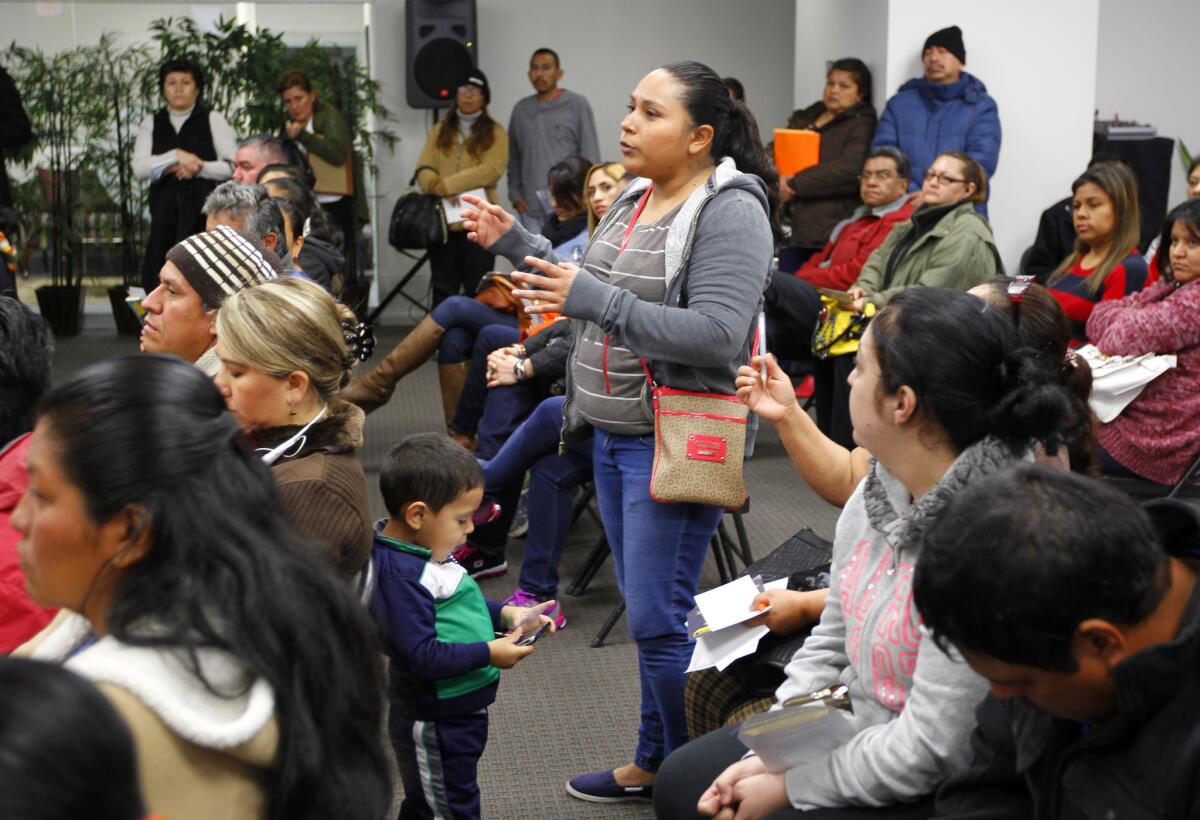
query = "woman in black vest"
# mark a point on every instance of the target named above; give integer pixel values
(184, 150)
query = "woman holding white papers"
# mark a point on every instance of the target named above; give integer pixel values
(942, 394)
(466, 152)
(1156, 437)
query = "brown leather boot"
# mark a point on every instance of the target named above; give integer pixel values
(452, 377)
(372, 391)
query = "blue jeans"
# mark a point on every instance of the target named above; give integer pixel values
(492, 415)
(533, 447)
(462, 318)
(658, 551)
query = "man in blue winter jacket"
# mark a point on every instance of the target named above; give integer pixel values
(946, 110)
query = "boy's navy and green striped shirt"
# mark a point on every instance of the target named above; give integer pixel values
(435, 625)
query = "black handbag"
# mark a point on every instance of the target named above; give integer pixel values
(418, 220)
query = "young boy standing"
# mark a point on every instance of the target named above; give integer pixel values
(437, 628)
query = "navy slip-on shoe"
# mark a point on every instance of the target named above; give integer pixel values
(602, 787)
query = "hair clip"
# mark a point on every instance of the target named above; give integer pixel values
(1071, 359)
(1018, 286)
(362, 337)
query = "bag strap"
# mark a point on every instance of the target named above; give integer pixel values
(417, 173)
(633, 219)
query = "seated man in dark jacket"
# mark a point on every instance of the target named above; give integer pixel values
(1083, 613)
(792, 302)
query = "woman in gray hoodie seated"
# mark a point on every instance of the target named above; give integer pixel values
(942, 394)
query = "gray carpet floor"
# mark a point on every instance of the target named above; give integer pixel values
(568, 708)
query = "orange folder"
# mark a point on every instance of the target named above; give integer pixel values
(795, 150)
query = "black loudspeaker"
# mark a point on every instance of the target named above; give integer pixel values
(441, 49)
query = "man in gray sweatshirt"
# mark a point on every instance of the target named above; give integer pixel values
(545, 128)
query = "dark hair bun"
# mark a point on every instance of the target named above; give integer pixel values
(1033, 404)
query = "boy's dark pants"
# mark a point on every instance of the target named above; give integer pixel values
(439, 763)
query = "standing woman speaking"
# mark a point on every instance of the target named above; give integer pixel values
(184, 150)
(674, 276)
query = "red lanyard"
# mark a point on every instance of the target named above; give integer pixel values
(633, 220)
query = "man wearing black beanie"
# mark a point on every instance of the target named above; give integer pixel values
(946, 110)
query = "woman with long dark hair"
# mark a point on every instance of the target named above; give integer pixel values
(1105, 263)
(249, 677)
(673, 276)
(942, 394)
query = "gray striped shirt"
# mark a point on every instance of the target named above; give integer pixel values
(640, 268)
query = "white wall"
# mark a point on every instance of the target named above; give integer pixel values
(57, 26)
(606, 47)
(827, 30)
(1037, 59)
(1147, 71)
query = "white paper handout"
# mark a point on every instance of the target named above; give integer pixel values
(453, 205)
(725, 608)
(1118, 380)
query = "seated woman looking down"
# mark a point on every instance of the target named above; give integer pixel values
(285, 352)
(1156, 436)
(1106, 264)
(249, 678)
(941, 395)
(453, 325)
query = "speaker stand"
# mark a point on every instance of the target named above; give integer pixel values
(398, 290)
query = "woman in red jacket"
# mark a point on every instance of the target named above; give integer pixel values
(1105, 263)
(1156, 436)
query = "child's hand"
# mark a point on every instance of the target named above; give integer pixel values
(504, 652)
(526, 619)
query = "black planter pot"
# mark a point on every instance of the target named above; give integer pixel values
(123, 314)
(62, 307)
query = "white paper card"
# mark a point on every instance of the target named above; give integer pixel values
(728, 604)
(453, 205)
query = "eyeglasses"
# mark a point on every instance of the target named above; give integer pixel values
(1016, 292)
(882, 176)
(470, 90)
(945, 179)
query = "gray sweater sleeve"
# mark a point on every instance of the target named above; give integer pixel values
(905, 758)
(726, 272)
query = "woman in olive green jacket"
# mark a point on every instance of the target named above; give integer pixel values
(465, 151)
(945, 244)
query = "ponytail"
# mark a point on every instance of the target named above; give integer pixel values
(735, 133)
(970, 373)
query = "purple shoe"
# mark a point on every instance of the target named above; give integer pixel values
(602, 787)
(521, 598)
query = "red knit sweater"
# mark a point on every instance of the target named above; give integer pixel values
(1158, 435)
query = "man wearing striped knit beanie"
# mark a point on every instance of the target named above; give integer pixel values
(199, 273)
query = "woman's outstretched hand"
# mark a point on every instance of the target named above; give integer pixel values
(776, 399)
(549, 289)
(484, 222)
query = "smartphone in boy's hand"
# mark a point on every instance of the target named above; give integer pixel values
(532, 637)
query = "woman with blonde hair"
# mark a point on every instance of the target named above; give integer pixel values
(286, 350)
(1105, 263)
(603, 183)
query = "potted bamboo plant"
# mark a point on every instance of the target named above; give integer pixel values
(59, 95)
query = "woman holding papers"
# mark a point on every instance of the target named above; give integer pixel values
(466, 152)
(1156, 437)
(942, 393)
